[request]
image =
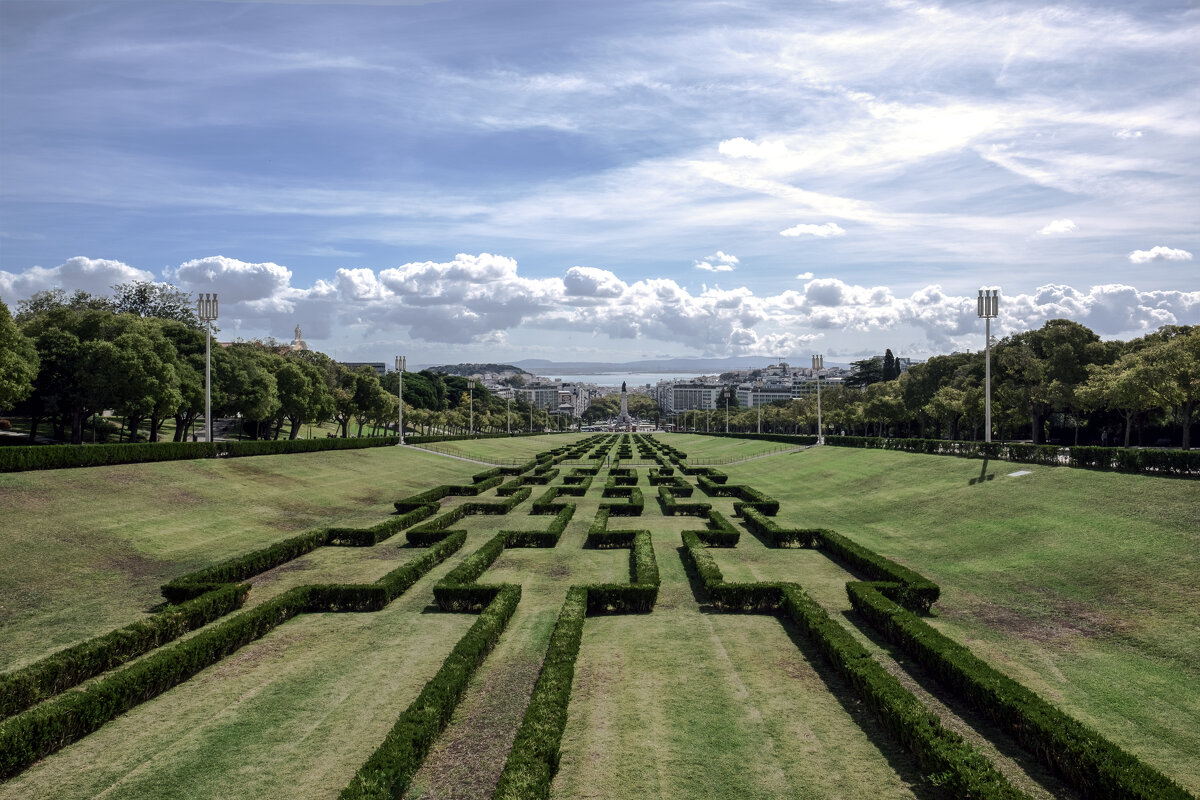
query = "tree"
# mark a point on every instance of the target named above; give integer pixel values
(891, 367)
(160, 300)
(18, 362)
(1040, 369)
(865, 372)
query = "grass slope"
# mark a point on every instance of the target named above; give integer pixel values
(1083, 585)
(87, 549)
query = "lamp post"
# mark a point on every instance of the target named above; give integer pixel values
(401, 361)
(726, 409)
(471, 387)
(818, 365)
(988, 307)
(206, 312)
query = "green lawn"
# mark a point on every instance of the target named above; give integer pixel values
(1083, 585)
(504, 450)
(87, 549)
(719, 450)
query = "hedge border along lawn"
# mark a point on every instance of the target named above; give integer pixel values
(534, 757)
(1096, 766)
(390, 769)
(58, 672)
(195, 599)
(64, 456)
(23, 458)
(1171, 463)
(952, 765)
(1084, 758)
(74, 714)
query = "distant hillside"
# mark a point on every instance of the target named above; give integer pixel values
(474, 369)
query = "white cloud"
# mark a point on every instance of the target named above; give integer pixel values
(484, 300)
(1128, 134)
(744, 148)
(717, 262)
(1159, 254)
(1057, 226)
(820, 231)
(93, 275)
(234, 280)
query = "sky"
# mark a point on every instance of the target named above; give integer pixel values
(492, 181)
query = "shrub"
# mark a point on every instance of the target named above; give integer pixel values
(1096, 766)
(56, 673)
(906, 586)
(533, 759)
(776, 536)
(389, 770)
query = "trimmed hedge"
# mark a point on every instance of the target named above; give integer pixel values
(74, 714)
(777, 536)
(719, 532)
(951, 764)
(905, 586)
(25, 687)
(240, 568)
(1094, 765)
(458, 591)
(533, 760)
(389, 770)
(631, 509)
(63, 456)
(1175, 463)
(546, 538)
(671, 508)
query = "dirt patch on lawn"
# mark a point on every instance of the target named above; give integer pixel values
(1055, 621)
(467, 761)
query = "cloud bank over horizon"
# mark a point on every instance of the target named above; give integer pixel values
(671, 178)
(482, 305)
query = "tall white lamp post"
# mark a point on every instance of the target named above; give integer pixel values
(989, 307)
(471, 387)
(401, 361)
(818, 365)
(206, 312)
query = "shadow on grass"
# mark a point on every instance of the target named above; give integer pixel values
(1035, 772)
(983, 474)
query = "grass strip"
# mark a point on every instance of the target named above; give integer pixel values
(72, 715)
(25, 687)
(390, 769)
(1093, 764)
(952, 765)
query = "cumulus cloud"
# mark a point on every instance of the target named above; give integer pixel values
(820, 231)
(234, 280)
(1159, 254)
(1128, 134)
(592, 282)
(717, 262)
(804, 276)
(93, 275)
(485, 300)
(1057, 226)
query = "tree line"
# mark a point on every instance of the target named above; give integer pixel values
(1058, 383)
(140, 353)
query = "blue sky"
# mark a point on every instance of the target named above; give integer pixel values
(609, 181)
